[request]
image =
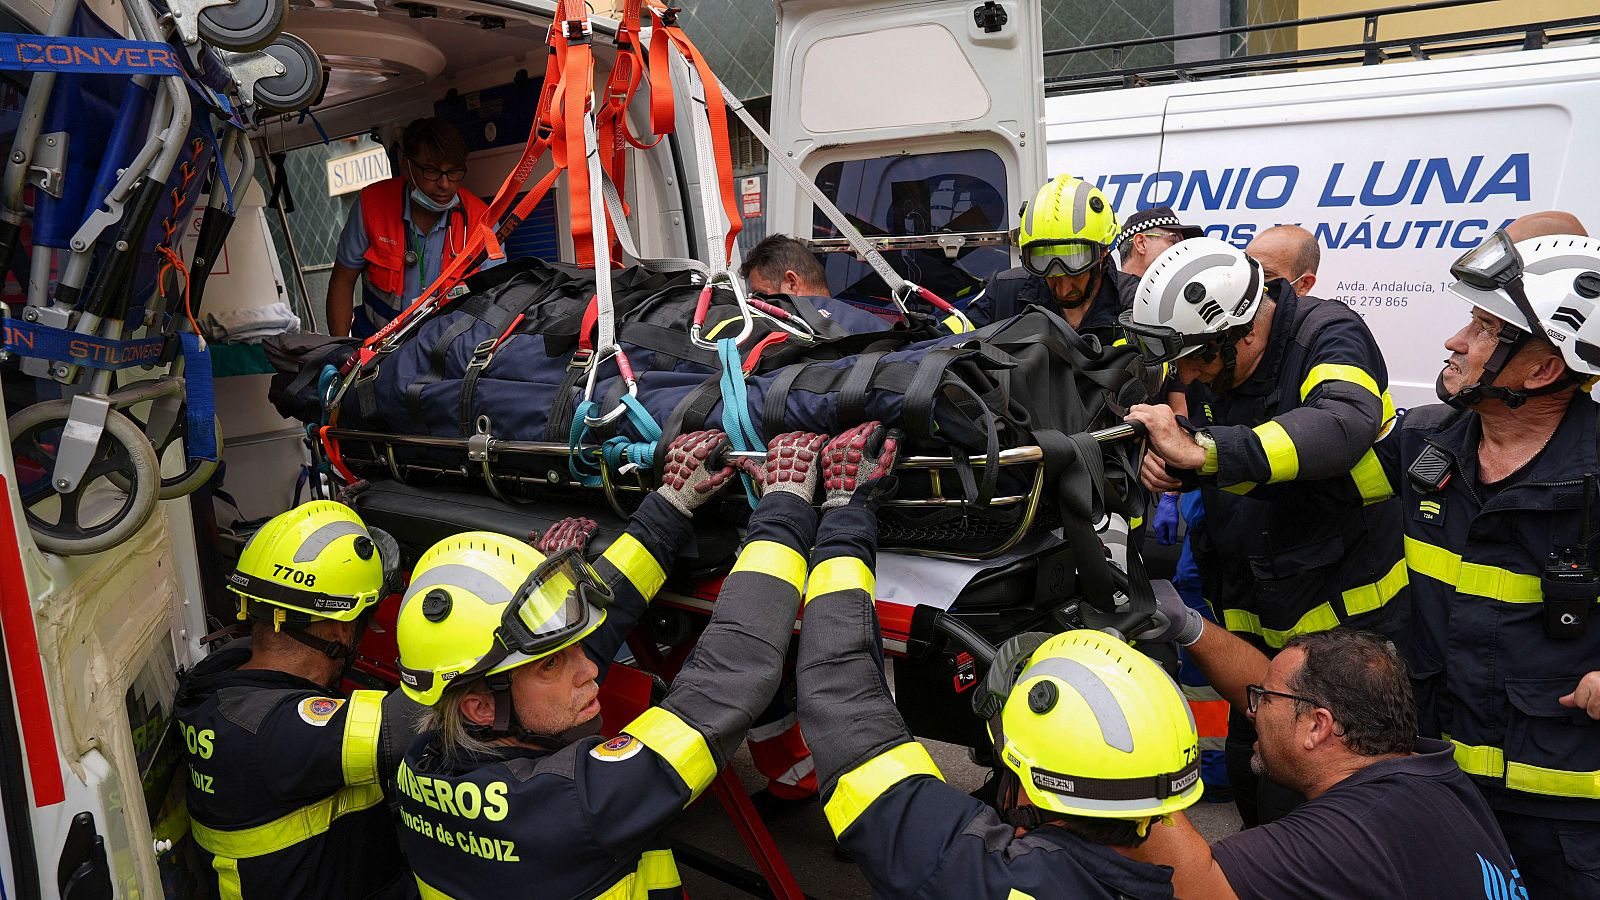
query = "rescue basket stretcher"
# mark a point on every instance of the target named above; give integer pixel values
(510, 469)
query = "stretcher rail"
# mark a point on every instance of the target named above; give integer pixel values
(373, 452)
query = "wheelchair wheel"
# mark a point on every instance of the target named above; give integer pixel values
(301, 82)
(242, 25)
(97, 515)
(195, 471)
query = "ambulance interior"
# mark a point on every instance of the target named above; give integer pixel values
(94, 639)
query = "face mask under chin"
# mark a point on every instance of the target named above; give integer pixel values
(432, 205)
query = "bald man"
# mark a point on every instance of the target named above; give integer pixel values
(1288, 252)
(1540, 224)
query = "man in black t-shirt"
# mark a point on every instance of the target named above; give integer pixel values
(1387, 814)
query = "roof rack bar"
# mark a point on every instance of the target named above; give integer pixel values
(1534, 34)
(1371, 15)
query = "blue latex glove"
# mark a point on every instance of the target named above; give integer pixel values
(1165, 522)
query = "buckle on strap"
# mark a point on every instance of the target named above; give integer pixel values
(483, 353)
(581, 358)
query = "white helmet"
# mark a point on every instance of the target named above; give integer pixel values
(1202, 291)
(1561, 274)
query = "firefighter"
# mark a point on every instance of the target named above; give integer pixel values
(1498, 489)
(284, 790)
(1096, 741)
(1067, 267)
(1286, 397)
(515, 789)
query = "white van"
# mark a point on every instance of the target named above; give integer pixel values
(1397, 169)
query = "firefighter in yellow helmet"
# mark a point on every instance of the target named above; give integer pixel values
(514, 789)
(1096, 740)
(284, 769)
(1065, 239)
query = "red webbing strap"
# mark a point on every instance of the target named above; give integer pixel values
(663, 113)
(492, 223)
(577, 83)
(591, 318)
(612, 121)
(753, 358)
(717, 112)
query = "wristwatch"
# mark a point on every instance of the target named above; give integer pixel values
(1209, 445)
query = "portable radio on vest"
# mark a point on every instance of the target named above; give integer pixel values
(1569, 583)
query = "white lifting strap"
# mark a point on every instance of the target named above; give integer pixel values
(899, 288)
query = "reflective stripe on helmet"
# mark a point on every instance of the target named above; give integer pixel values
(1096, 693)
(312, 547)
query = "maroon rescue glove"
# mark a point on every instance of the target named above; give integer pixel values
(857, 466)
(696, 469)
(791, 464)
(570, 533)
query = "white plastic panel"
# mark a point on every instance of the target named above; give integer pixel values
(840, 93)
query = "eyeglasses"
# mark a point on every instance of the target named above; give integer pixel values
(430, 173)
(1169, 236)
(1254, 692)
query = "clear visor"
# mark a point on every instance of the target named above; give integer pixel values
(557, 604)
(1065, 257)
(1491, 264)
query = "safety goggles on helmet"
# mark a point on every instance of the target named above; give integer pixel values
(1162, 344)
(1494, 268)
(1068, 256)
(557, 603)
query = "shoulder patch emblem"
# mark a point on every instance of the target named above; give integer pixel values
(318, 710)
(619, 748)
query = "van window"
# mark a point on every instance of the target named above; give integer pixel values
(960, 191)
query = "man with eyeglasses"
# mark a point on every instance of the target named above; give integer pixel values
(1147, 234)
(1286, 396)
(1387, 813)
(403, 231)
(1498, 490)
(1065, 237)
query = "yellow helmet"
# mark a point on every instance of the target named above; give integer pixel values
(316, 561)
(1095, 728)
(1067, 229)
(481, 603)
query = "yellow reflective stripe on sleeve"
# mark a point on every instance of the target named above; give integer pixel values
(363, 719)
(1018, 895)
(683, 747)
(429, 892)
(842, 573)
(1135, 522)
(1370, 480)
(775, 559)
(636, 564)
(1337, 372)
(862, 786)
(1282, 457)
(1490, 762)
(1242, 488)
(1371, 597)
(1357, 601)
(657, 871)
(228, 885)
(301, 825)
(1490, 582)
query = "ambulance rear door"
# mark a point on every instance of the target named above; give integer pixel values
(921, 121)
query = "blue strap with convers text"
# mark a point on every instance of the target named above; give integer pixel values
(59, 345)
(36, 53)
